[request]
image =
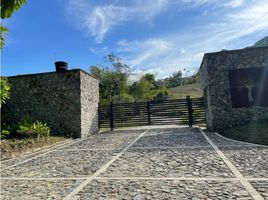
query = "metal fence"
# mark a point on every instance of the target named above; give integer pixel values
(179, 112)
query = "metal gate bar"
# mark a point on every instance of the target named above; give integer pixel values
(179, 111)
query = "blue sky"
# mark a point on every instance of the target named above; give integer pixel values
(156, 36)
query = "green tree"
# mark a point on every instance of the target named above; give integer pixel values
(113, 81)
(7, 8)
(114, 84)
(117, 63)
(4, 90)
(96, 72)
(147, 89)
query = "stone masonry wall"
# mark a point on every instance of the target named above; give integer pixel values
(54, 98)
(89, 104)
(214, 75)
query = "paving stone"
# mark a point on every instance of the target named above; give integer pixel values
(198, 162)
(172, 139)
(261, 187)
(37, 189)
(149, 157)
(120, 133)
(162, 189)
(177, 131)
(251, 161)
(7, 163)
(103, 142)
(61, 164)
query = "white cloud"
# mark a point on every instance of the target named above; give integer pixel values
(248, 20)
(99, 20)
(235, 3)
(157, 56)
(144, 51)
(185, 49)
(234, 24)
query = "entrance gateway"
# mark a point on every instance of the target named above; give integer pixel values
(168, 112)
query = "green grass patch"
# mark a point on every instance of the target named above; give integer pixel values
(253, 132)
(11, 148)
(192, 90)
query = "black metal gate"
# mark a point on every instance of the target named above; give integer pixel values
(178, 112)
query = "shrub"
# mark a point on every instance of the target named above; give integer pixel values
(4, 133)
(37, 129)
(41, 129)
(4, 90)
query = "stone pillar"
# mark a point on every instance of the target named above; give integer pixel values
(215, 69)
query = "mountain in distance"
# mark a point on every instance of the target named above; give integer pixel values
(262, 42)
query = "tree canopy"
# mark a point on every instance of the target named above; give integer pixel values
(176, 78)
(7, 8)
(115, 87)
(4, 90)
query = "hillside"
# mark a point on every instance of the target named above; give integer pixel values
(193, 90)
(262, 43)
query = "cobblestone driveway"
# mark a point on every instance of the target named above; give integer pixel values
(160, 163)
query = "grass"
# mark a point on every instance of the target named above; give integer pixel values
(11, 148)
(253, 132)
(192, 90)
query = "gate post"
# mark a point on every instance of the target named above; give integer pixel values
(149, 113)
(190, 111)
(111, 116)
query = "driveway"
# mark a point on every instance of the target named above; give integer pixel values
(151, 163)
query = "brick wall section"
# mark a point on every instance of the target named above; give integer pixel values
(57, 99)
(214, 76)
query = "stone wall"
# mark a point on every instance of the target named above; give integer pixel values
(89, 104)
(57, 99)
(214, 75)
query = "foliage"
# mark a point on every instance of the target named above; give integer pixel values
(114, 86)
(7, 8)
(113, 82)
(176, 78)
(147, 89)
(4, 90)
(117, 63)
(4, 134)
(37, 129)
(3, 30)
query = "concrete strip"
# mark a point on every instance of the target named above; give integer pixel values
(251, 190)
(177, 147)
(104, 149)
(257, 179)
(43, 179)
(102, 169)
(169, 178)
(137, 178)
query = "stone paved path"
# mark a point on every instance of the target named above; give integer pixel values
(155, 163)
